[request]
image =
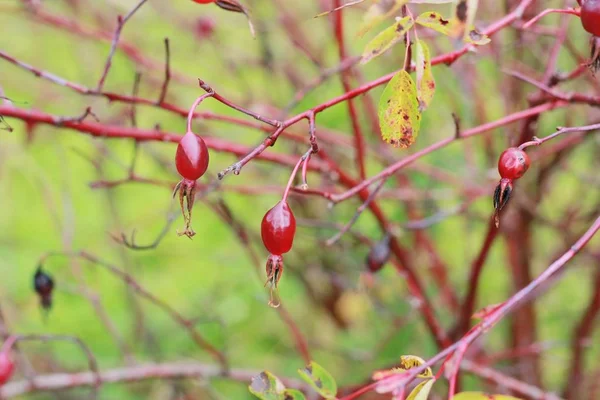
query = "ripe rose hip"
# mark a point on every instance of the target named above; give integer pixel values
(6, 367)
(590, 16)
(278, 228)
(191, 160)
(513, 163)
(203, 1)
(192, 157)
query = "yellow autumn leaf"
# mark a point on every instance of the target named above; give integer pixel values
(399, 116)
(438, 23)
(425, 79)
(421, 391)
(386, 39)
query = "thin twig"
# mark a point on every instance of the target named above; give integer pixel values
(121, 21)
(331, 241)
(165, 86)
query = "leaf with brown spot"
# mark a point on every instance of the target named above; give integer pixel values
(377, 13)
(425, 79)
(438, 23)
(319, 379)
(266, 386)
(399, 116)
(476, 38)
(386, 39)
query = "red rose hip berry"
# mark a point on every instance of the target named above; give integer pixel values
(513, 163)
(203, 1)
(191, 161)
(192, 157)
(590, 16)
(278, 228)
(6, 367)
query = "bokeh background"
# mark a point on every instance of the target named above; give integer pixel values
(49, 201)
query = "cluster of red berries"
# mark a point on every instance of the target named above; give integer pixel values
(512, 164)
(43, 284)
(278, 228)
(590, 19)
(191, 160)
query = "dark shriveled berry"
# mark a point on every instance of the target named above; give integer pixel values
(43, 284)
(379, 254)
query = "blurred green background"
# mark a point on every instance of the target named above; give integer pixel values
(49, 205)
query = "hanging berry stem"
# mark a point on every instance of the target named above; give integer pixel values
(304, 159)
(193, 108)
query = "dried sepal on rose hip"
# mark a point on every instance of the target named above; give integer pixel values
(191, 160)
(231, 5)
(590, 19)
(278, 229)
(512, 164)
(43, 284)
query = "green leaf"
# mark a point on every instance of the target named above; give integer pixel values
(437, 22)
(421, 391)
(266, 386)
(319, 379)
(386, 39)
(425, 79)
(399, 116)
(293, 394)
(482, 396)
(377, 13)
